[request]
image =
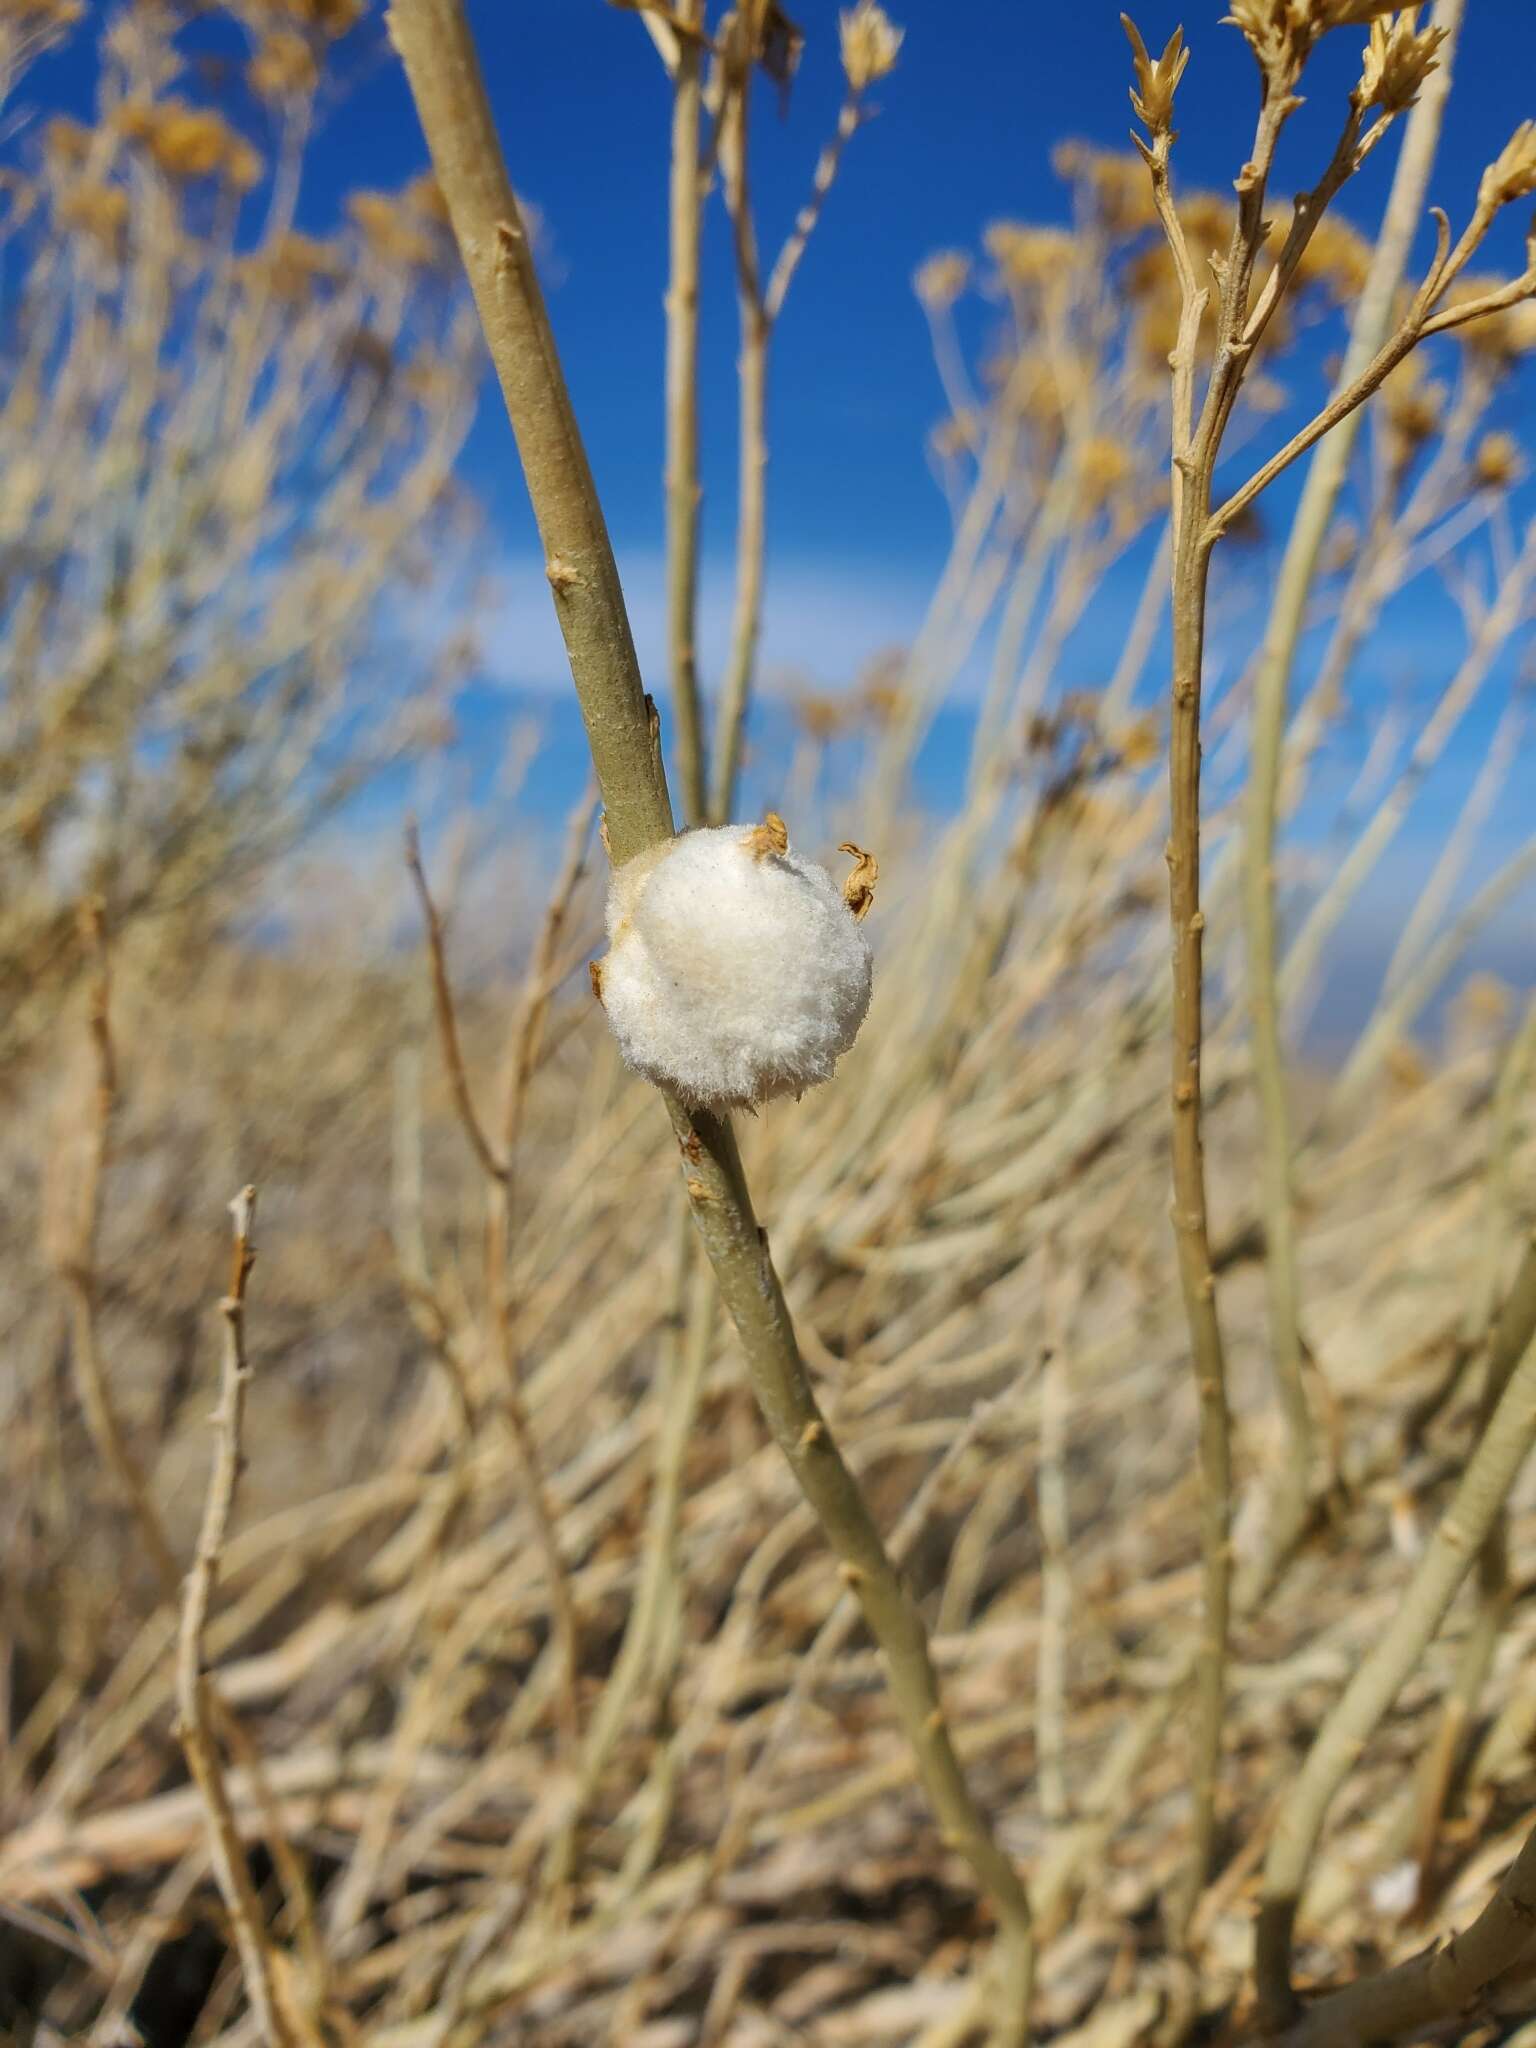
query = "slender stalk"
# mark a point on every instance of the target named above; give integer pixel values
(1373, 318)
(1193, 459)
(685, 217)
(434, 41)
(749, 1286)
(194, 1696)
(751, 539)
(759, 307)
(1463, 1530)
(1190, 1216)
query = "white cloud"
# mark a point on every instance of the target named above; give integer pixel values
(821, 622)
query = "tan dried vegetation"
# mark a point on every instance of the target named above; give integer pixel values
(582, 1623)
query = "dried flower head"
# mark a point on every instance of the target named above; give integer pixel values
(1114, 183)
(736, 971)
(1398, 59)
(284, 66)
(819, 717)
(66, 143)
(98, 211)
(1512, 174)
(391, 228)
(859, 886)
(328, 18)
(1029, 255)
(1337, 257)
(424, 195)
(1101, 469)
(1281, 33)
(188, 143)
(1411, 406)
(293, 266)
(1156, 81)
(1496, 462)
(1138, 744)
(940, 280)
(870, 42)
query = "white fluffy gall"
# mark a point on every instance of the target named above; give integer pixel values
(736, 971)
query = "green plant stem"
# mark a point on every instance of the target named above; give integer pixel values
(1463, 1530)
(434, 41)
(1193, 458)
(1298, 570)
(749, 1286)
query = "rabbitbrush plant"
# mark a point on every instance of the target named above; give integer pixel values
(434, 42)
(1397, 60)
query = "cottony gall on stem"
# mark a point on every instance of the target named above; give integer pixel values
(736, 971)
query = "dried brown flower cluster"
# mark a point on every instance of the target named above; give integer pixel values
(1512, 174)
(1497, 461)
(284, 65)
(1282, 33)
(402, 229)
(1398, 58)
(293, 266)
(1156, 79)
(97, 210)
(1113, 184)
(869, 42)
(41, 16)
(941, 279)
(329, 19)
(189, 143)
(1027, 256)
(1412, 407)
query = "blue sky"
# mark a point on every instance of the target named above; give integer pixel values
(967, 124)
(965, 131)
(964, 135)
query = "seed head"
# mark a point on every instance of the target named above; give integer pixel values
(1281, 33)
(1156, 82)
(1398, 59)
(870, 42)
(1496, 462)
(940, 280)
(1512, 174)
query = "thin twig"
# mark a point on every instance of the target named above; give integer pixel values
(447, 1017)
(684, 493)
(194, 1699)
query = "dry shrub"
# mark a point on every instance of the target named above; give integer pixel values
(547, 1716)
